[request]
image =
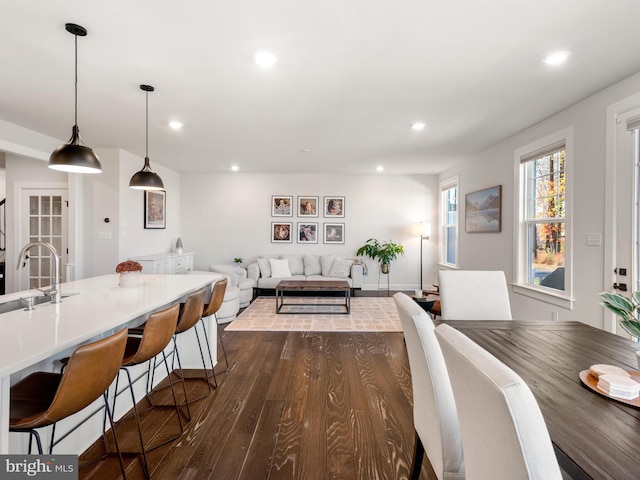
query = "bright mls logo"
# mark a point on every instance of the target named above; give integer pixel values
(50, 467)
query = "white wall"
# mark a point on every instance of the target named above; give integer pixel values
(229, 215)
(496, 166)
(135, 240)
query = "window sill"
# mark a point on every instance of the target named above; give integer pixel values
(561, 300)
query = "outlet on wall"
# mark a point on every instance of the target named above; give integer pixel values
(554, 316)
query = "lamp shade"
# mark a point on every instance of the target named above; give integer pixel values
(75, 158)
(423, 229)
(146, 179)
(426, 229)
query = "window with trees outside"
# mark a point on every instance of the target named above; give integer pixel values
(543, 227)
(449, 222)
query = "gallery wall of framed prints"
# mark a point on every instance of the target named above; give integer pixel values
(306, 208)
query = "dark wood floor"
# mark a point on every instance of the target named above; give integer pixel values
(293, 405)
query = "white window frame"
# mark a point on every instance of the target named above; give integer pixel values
(521, 286)
(453, 182)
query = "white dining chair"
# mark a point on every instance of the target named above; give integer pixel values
(504, 435)
(434, 413)
(474, 295)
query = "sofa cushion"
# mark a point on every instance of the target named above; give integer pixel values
(269, 283)
(340, 268)
(279, 268)
(325, 264)
(312, 265)
(265, 267)
(325, 278)
(296, 265)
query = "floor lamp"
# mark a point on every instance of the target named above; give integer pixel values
(425, 232)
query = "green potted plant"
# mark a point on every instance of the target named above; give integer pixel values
(385, 252)
(626, 308)
(237, 261)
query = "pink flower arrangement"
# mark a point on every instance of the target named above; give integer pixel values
(128, 266)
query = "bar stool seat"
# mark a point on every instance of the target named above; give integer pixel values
(212, 308)
(156, 334)
(44, 398)
(189, 316)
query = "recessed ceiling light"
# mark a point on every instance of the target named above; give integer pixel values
(235, 168)
(417, 126)
(174, 124)
(265, 59)
(305, 150)
(556, 58)
(380, 168)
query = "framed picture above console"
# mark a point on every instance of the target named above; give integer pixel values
(155, 209)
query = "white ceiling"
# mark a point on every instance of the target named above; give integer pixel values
(351, 77)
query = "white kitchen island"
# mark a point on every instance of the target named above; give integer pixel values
(90, 309)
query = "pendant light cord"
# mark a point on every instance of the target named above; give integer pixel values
(147, 123)
(76, 83)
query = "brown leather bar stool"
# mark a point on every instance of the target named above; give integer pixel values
(215, 302)
(44, 398)
(190, 313)
(157, 332)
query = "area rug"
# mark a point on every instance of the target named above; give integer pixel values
(368, 314)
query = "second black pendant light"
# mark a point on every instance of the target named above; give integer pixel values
(146, 179)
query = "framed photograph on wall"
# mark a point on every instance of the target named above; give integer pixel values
(483, 211)
(282, 206)
(334, 233)
(155, 209)
(307, 232)
(307, 206)
(334, 206)
(281, 232)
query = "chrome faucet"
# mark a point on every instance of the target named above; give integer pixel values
(54, 292)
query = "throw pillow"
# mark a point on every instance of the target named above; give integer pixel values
(279, 268)
(312, 265)
(295, 264)
(265, 268)
(341, 268)
(325, 264)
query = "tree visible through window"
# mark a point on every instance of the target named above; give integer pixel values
(545, 182)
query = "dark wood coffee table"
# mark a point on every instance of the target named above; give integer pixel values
(312, 286)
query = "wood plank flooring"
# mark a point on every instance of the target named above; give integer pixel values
(293, 405)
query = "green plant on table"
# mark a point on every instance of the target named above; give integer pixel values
(625, 308)
(237, 260)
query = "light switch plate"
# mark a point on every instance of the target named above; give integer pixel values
(594, 239)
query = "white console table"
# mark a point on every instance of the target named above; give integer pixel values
(166, 263)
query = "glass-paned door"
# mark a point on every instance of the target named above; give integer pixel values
(44, 219)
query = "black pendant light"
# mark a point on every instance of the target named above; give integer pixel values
(75, 157)
(146, 179)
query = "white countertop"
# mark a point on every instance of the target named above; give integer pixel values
(99, 306)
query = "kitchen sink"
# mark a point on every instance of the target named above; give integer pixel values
(21, 303)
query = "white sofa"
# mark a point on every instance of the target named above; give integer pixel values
(231, 302)
(304, 267)
(237, 277)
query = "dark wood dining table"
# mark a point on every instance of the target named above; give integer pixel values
(593, 436)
